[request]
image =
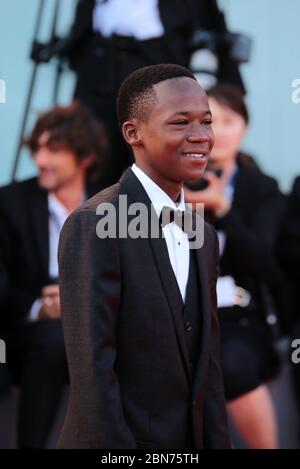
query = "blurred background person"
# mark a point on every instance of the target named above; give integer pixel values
(111, 38)
(68, 147)
(246, 208)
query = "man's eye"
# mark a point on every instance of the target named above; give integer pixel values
(208, 122)
(182, 122)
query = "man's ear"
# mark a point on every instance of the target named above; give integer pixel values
(131, 133)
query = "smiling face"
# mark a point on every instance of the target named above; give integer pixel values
(174, 144)
(57, 166)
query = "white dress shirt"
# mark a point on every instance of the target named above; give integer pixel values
(57, 217)
(138, 18)
(226, 286)
(177, 240)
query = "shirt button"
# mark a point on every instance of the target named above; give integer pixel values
(194, 403)
(191, 364)
(188, 326)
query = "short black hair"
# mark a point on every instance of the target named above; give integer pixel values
(136, 96)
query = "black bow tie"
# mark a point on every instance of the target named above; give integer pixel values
(168, 215)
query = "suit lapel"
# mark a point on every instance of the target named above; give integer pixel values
(206, 320)
(205, 309)
(163, 264)
(172, 292)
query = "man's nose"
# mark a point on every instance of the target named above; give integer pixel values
(198, 134)
(41, 157)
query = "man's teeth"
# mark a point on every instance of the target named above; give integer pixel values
(195, 155)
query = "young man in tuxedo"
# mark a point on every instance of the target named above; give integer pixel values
(67, 145)
(139, 313)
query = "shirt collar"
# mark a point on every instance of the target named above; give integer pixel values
(159, 198)
(56, 208)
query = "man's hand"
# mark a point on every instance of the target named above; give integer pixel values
(213, 197)
(50, 303)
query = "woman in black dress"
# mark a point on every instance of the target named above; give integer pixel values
(245, 206)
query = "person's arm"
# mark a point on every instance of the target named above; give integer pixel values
(90, 292)
(216, 434)
(74, 45)
(208, 14)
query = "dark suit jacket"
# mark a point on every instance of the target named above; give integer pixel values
(288, 248)
(179, 17)
(131, 384)
(24, 248)
(290, 234)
